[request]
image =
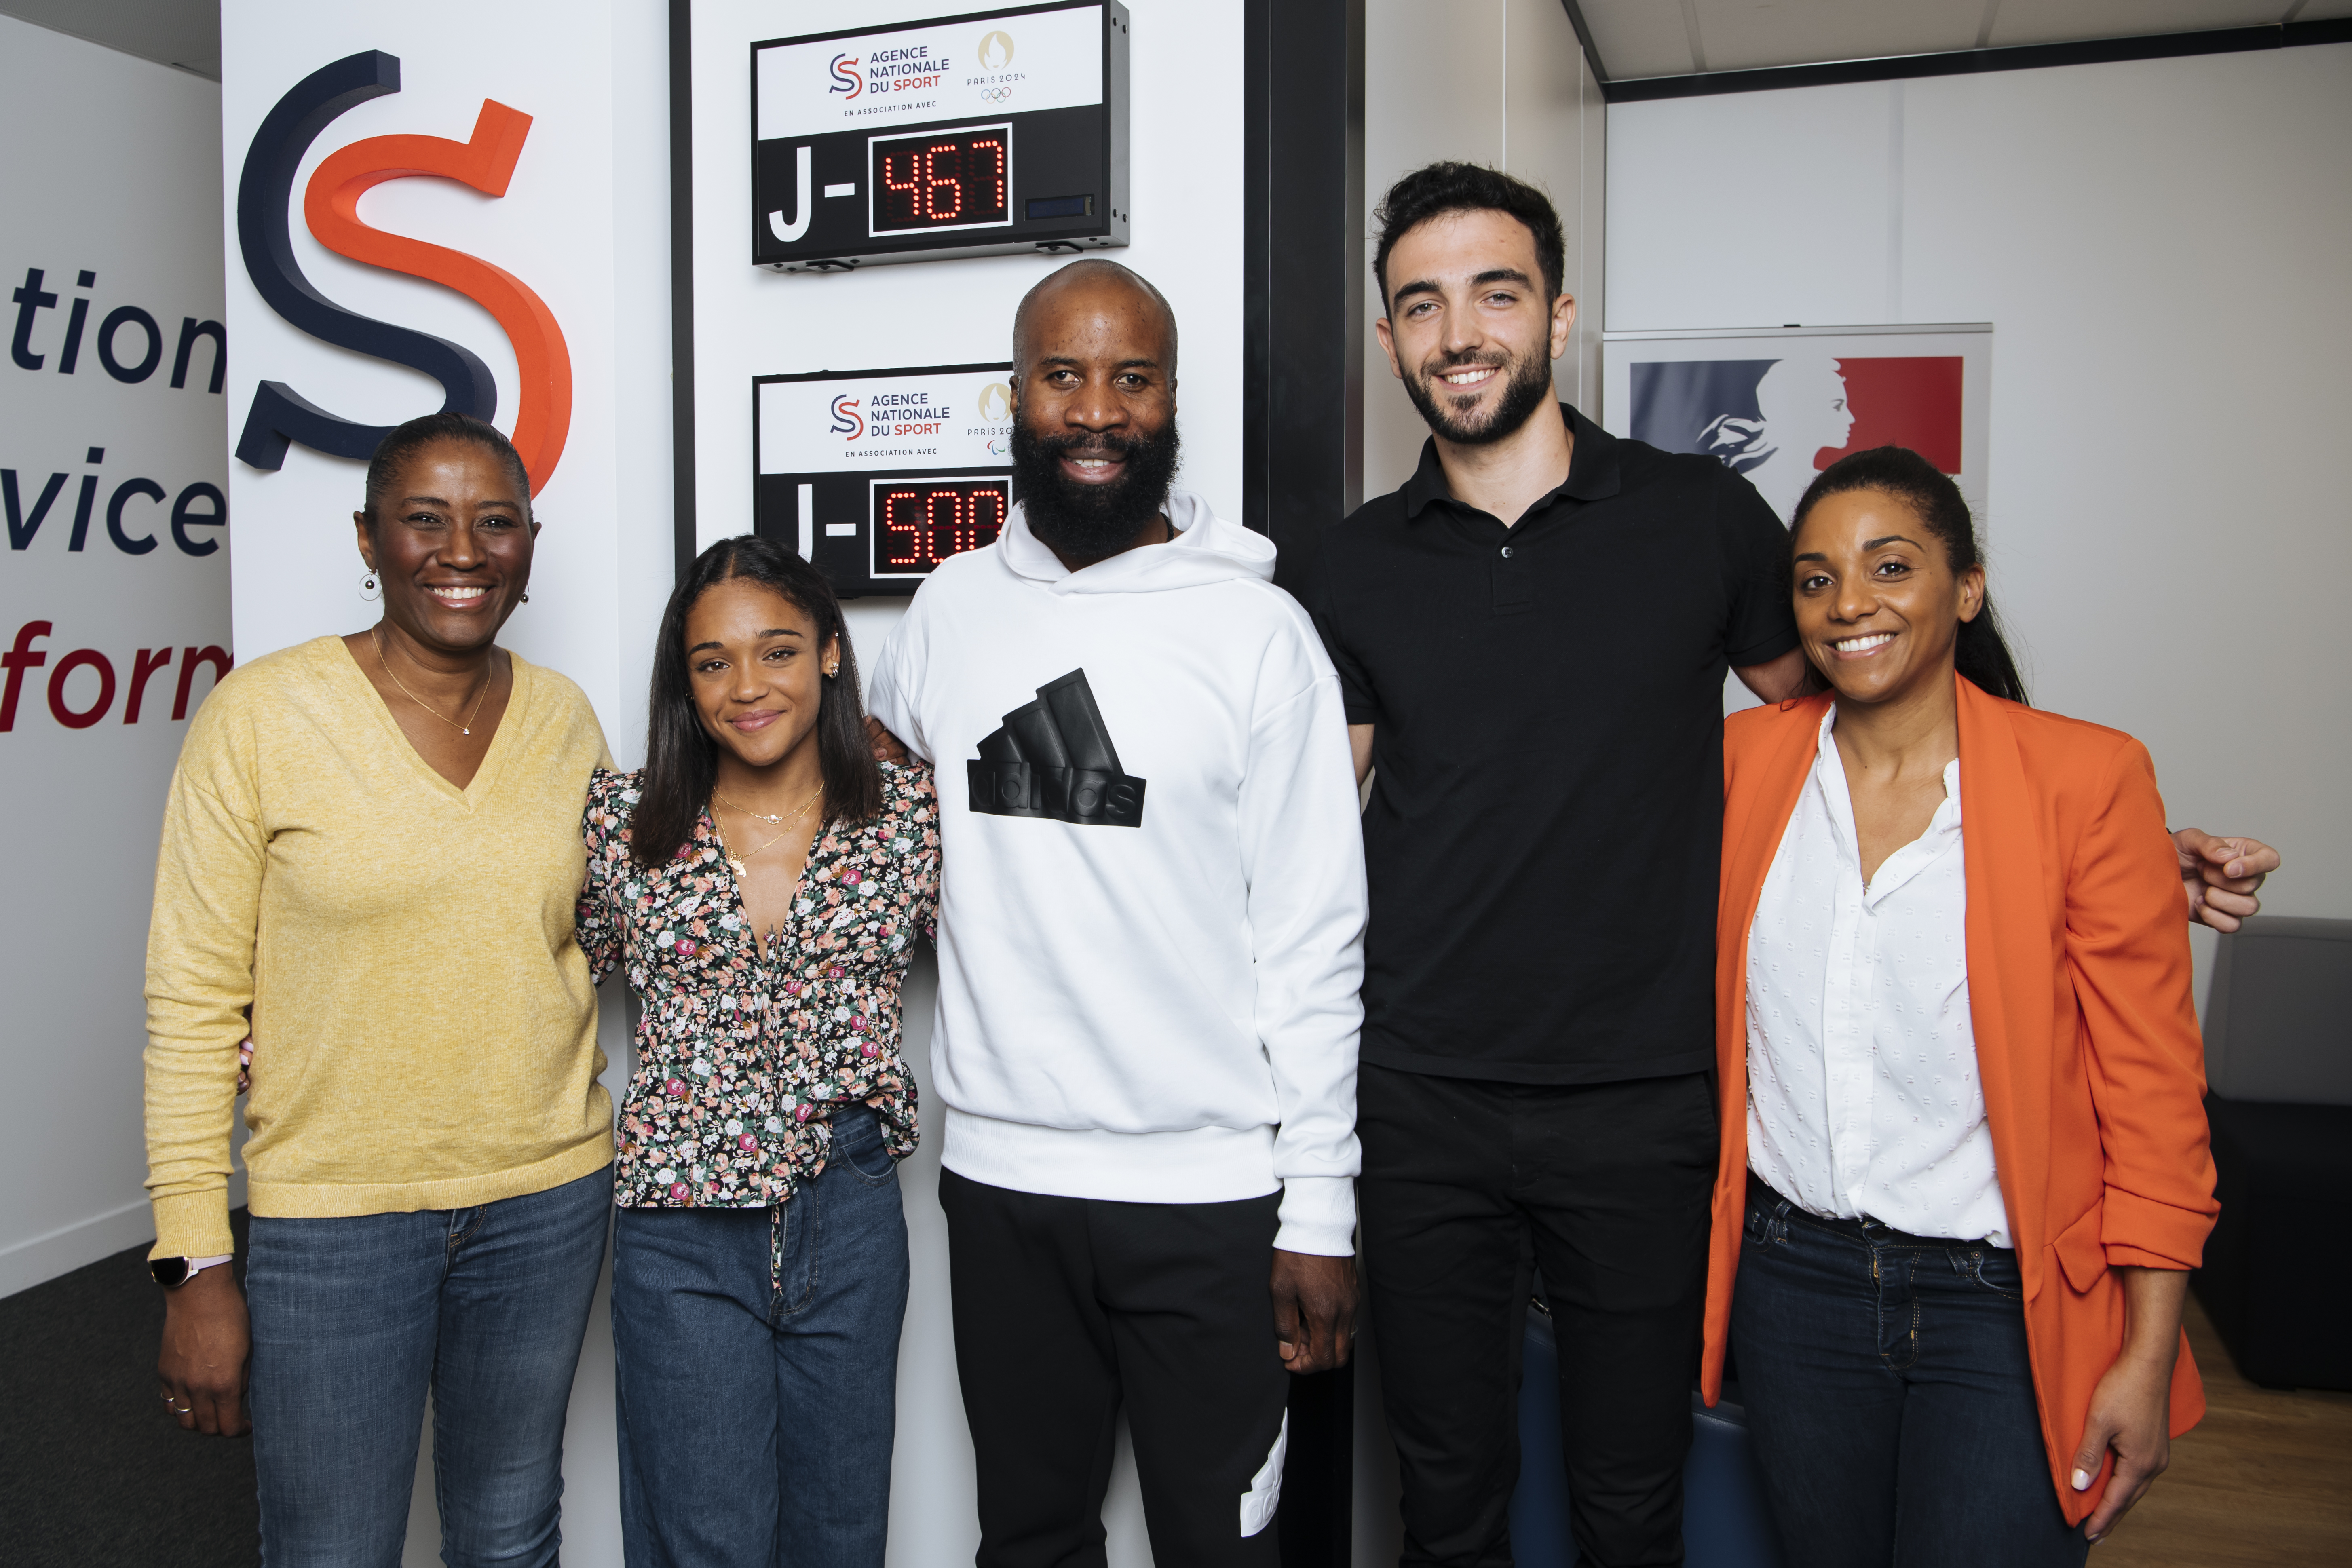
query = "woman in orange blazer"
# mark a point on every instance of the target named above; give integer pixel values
(1964, 1165)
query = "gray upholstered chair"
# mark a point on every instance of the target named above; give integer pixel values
(2278, 1060)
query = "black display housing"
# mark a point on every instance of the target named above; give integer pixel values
(1068, 170)
(837, 496)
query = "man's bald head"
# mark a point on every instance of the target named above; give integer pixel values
(1081, 281)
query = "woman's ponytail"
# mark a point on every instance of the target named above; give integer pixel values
(1981, 655)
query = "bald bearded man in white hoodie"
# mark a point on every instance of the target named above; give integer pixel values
(1151, 917)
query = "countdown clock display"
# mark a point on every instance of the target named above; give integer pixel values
(986, 134)
(878, 476)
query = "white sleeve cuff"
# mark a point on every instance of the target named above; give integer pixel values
(1319, 1216)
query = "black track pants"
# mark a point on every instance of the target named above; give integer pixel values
(1468, 1186)
(1066, 1308)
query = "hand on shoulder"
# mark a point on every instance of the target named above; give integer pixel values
(2220, 876)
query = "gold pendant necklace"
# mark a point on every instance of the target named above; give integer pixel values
(742, 863)
(464, 729)
(734, 805)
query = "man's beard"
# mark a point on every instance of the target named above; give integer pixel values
(1090, 521)
(1529, 389)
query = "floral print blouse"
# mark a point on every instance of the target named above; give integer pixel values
(739, 1055)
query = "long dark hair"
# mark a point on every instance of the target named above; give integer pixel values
(1978, 652)
(682, 762)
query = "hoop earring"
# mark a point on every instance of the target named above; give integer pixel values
(370, 589)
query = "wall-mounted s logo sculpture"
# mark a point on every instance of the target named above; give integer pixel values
(280, 415)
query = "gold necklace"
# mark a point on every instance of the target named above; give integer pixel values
(742, 863)
(464, 729)
(764, 817)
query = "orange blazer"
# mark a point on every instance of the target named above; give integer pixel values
(2087, 1036)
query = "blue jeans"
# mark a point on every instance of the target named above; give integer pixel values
(757, 1422)
(1889, 1397)
(355, 1319)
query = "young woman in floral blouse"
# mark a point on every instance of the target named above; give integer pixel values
(764, 880)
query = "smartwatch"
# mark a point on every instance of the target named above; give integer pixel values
(174, 1272)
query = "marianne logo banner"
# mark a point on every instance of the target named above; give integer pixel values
(1778, 408)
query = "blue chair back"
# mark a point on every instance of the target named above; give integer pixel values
(1726, 1522)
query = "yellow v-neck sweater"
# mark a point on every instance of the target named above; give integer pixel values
(423, 1027)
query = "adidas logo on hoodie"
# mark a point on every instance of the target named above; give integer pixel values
(1053, 759)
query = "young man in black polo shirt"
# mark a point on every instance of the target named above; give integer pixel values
(1531, 638)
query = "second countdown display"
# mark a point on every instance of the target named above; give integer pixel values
(879, 476)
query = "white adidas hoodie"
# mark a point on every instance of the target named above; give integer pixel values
(1152, 875)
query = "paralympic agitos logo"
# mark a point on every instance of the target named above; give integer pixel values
(280, 415)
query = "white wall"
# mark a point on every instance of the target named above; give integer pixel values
(1499, 82)
(115, 170)
(2160, 246)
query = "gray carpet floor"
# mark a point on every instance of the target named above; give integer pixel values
(92, 1471)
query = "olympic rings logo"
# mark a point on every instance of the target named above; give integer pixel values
(995, 94)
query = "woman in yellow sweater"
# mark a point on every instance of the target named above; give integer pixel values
(370, 858)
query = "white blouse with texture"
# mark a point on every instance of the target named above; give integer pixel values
(1863, 1097)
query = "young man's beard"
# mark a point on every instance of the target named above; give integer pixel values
(1091, 520)
(1529, 389)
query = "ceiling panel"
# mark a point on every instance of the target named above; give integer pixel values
(1639, 37)
(1654, 37)
(2065, 21)
(184, 33)
(1743, 35)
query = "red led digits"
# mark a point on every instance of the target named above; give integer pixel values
(992, 147)
(907, 554)
(953, 527)
(945, 179)
(912, 184)
(921, 525)
(934, 182)
(986, 500)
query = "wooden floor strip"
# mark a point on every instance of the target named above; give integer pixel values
(2264, 1481)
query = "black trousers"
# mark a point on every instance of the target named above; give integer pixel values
(1066, 1308)
(1468, 1188)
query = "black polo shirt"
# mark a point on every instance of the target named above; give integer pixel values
(1544, 828)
